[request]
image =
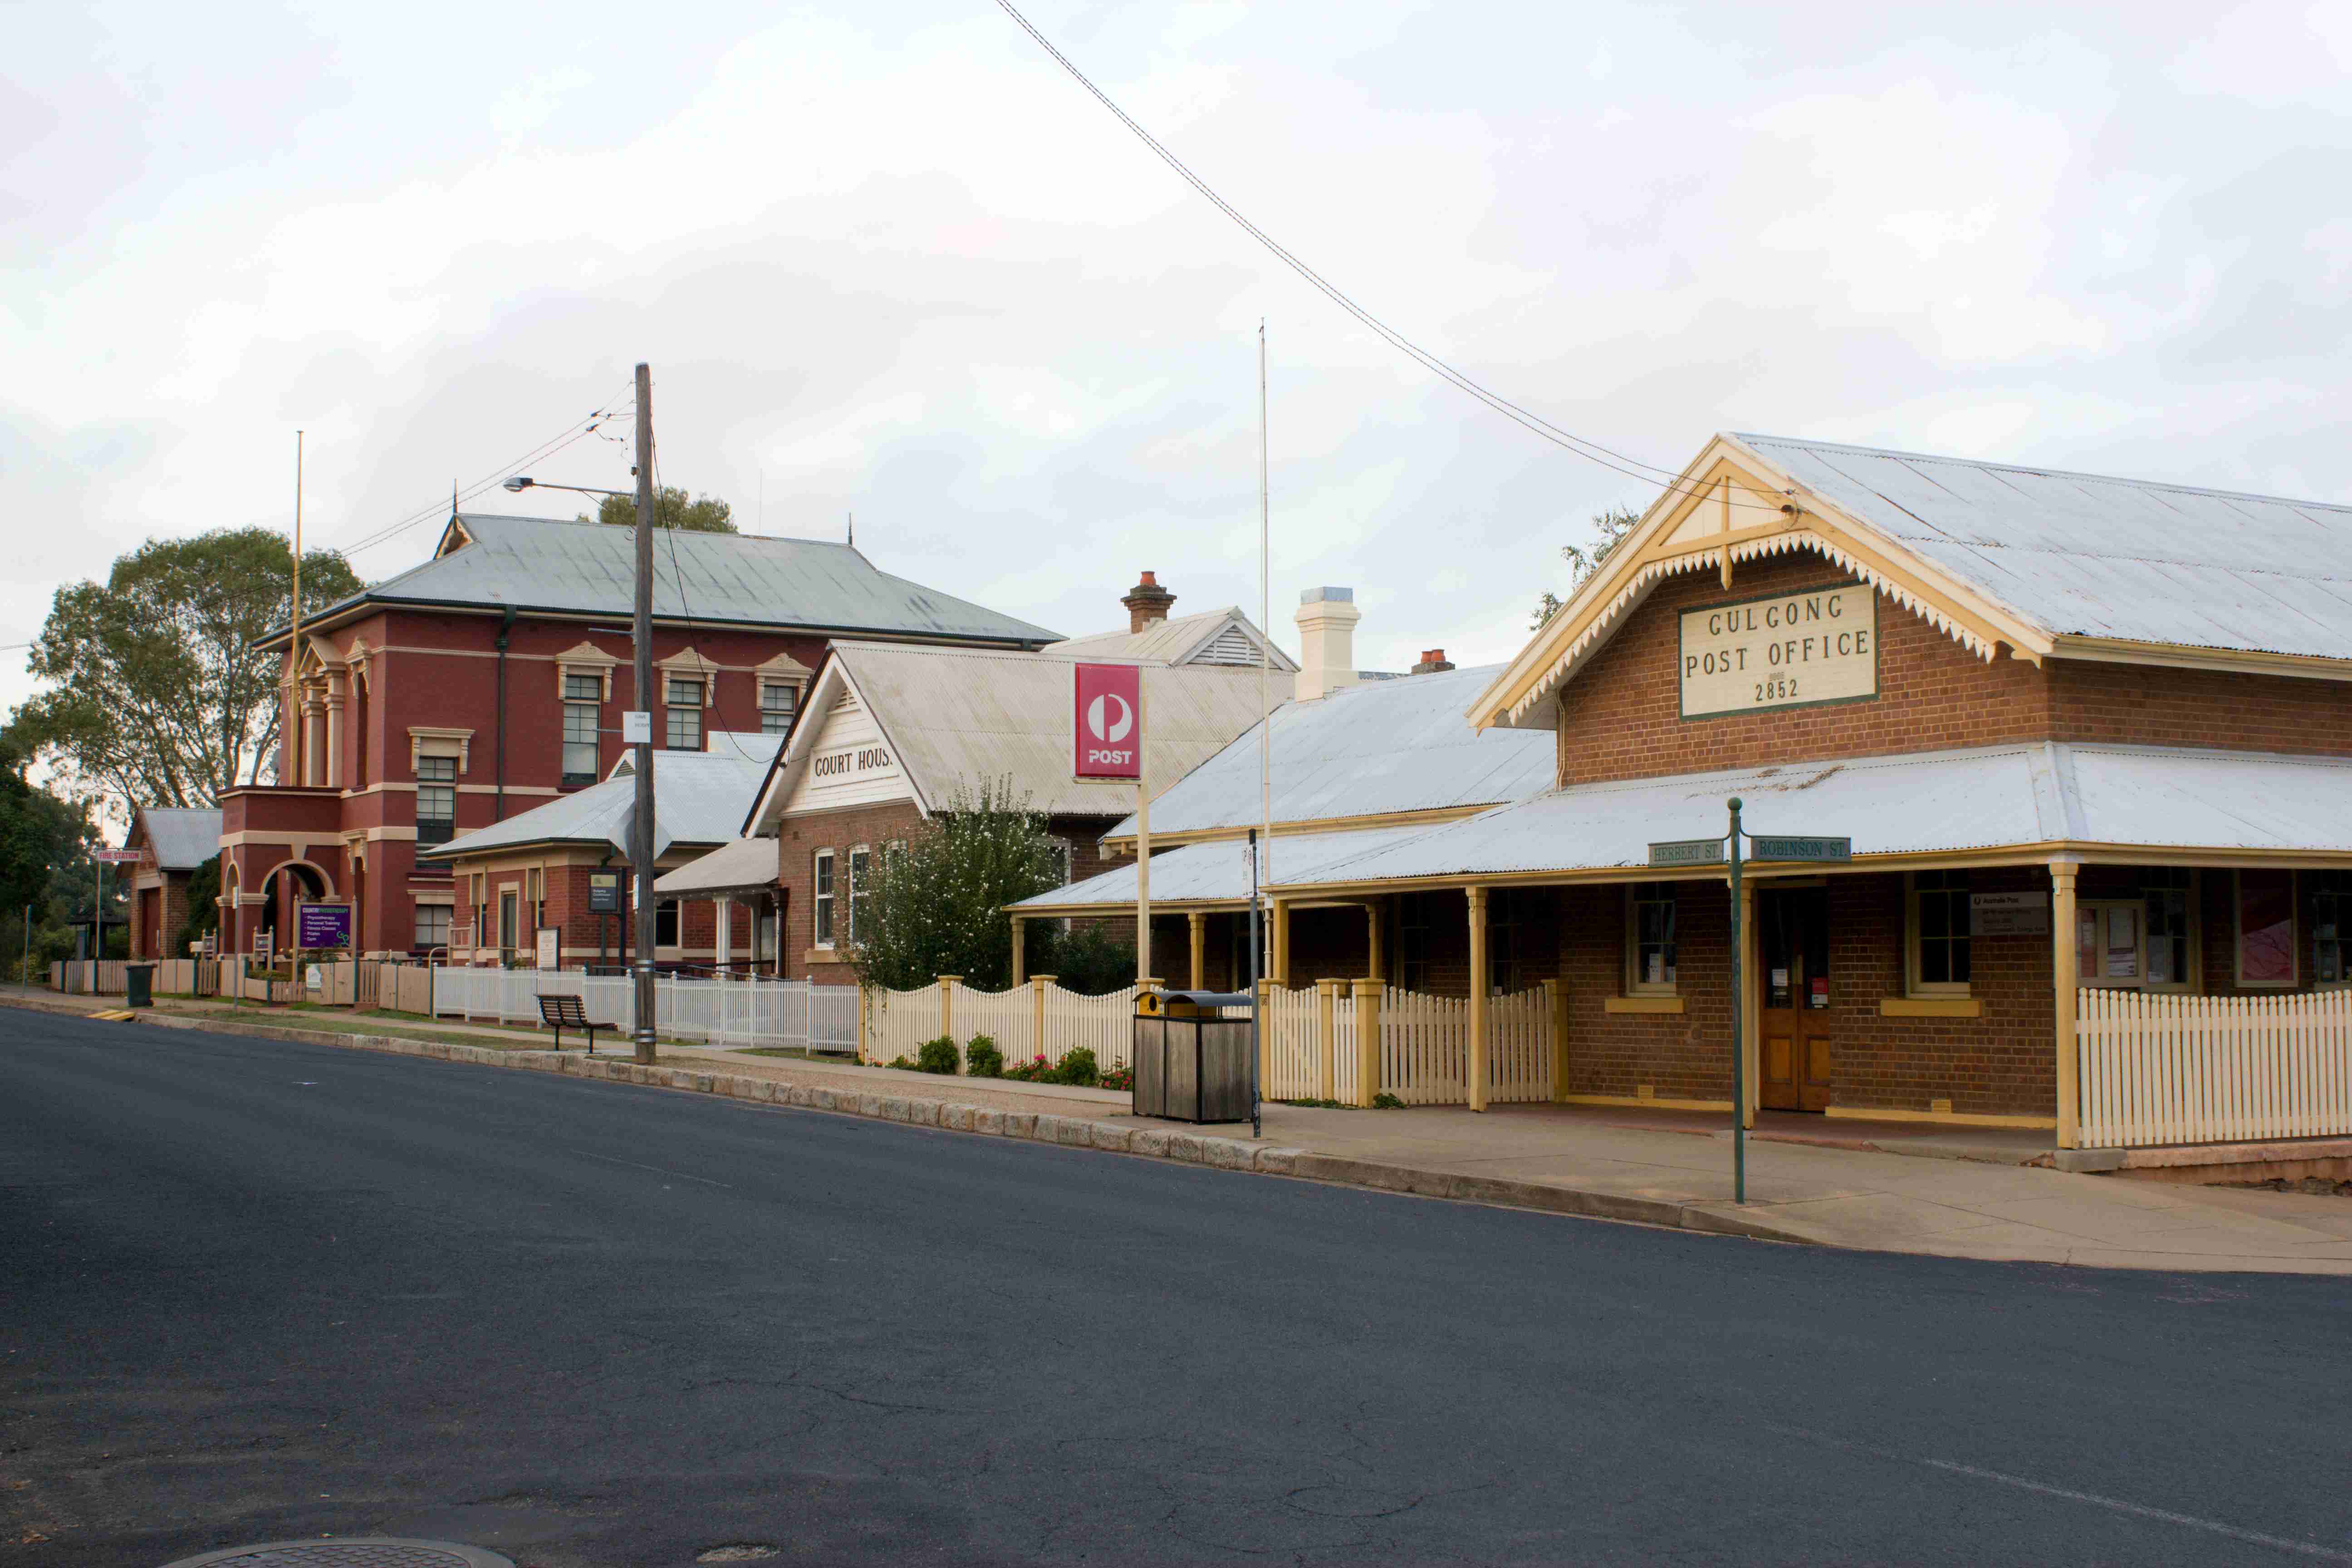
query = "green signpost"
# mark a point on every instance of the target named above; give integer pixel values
(1712, 852)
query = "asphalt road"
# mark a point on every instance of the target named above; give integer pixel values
(252, 1290)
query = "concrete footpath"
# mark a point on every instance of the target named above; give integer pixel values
(1841, 1188)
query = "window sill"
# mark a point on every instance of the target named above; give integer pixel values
(822, 956)
(1930, 1008)
(1641, 1004)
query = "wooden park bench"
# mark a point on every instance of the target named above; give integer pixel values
(562, 1012)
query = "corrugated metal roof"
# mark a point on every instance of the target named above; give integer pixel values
(970, 715)
(544, 564)
(182, 839)
(1213, 636)
(1218, 871)
(699, 798)
(1383, 747)
(1921, 802)
(741, 866)
(2088, 555)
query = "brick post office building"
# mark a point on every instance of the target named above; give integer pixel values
(2091, 740)
(491, 679)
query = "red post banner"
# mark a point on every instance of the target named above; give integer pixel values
(1109, 732)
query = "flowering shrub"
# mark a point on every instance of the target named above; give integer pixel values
(1078, 1068)
(939, 1056)
(1120, 1078)
(1037, 1070)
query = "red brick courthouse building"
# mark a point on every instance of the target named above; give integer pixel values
(2091, 740)
(491, 679)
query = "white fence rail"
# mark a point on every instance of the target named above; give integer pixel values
(791, 1014)
(2212, 1070)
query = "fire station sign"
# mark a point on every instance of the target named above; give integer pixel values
(1109, 730)
(1791, 650)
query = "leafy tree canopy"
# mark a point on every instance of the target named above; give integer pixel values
(159, 693)
(45, 846)
(703, 515)
(935, 904)
(1609, 531)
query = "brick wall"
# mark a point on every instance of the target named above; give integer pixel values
(1620, 717)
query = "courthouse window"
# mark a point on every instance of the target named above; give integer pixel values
(1650, 939)
(1941, 931)
(861, 886)
(776, 700)
(432, 925)
(580, 695)
(436, 800)
(684, 718)
(821, 899)
(2266, 929)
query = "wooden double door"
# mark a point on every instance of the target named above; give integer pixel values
(1795, 1051)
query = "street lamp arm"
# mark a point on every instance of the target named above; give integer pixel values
(525, 482)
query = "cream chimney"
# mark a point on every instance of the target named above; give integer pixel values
(1326, 642)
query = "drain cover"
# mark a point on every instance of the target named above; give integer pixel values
(356, 1552)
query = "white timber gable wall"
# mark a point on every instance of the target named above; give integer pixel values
(850, 763)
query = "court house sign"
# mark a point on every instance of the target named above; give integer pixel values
(1791, 650)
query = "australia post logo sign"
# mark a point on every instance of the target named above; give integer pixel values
(1109, 728)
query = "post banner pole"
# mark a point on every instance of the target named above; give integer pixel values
(1738, 1035)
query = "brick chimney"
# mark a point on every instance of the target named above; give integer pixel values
(1433, 662)
(1147, 602)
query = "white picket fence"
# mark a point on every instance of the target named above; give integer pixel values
(2199, 1069)
(793, 1014)
(1425, 1046)
(1039, 1018)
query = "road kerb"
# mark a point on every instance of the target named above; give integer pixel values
(1071, 1131)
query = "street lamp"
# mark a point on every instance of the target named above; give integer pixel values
(520, 483)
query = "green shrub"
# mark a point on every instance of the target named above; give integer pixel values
(982, 1057)
(903, 1064)
(1087, 959)
(1077, 1068)
(939, 1056)
(1119, 1079)
(1387, 1103)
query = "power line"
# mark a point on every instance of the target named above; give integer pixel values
(1590, 450)
(577, 430)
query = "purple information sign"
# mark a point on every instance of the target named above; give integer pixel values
(322, 925)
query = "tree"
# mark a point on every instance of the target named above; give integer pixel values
(1609, 529)
(935, 904)
(159, 692)
(703, 515)
(43, 842)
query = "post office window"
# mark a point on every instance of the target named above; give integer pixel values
(821, 897)
(2265, 930)
(1942, 933)
(1506, 914)
(2169, 902)
(666, 923)
(683, 717)
(2331, 940)
(1650, 940)
(1413, 942)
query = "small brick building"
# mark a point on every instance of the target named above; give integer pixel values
(2091, 741)
(173, 845)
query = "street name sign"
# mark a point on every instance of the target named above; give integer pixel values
(1769, 847)
(1687, 852)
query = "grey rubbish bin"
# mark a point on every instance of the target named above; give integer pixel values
(139, 984)
(1189, 1063)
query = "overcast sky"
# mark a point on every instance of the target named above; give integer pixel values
(890, 259)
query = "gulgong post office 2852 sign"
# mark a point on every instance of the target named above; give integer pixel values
(1791, 650)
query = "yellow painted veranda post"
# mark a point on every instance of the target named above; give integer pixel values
(1197, 926)
(947, 1004)
(1367, 1040)
(1037, 1015)
(2064, 981)
(1480, 984)
(1373, 964)
(1326, 1040)
(1265, 1035)
(1556, 1009)
(1020, 950)
(1278, 965)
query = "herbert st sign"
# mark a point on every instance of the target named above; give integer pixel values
(1109, 730)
